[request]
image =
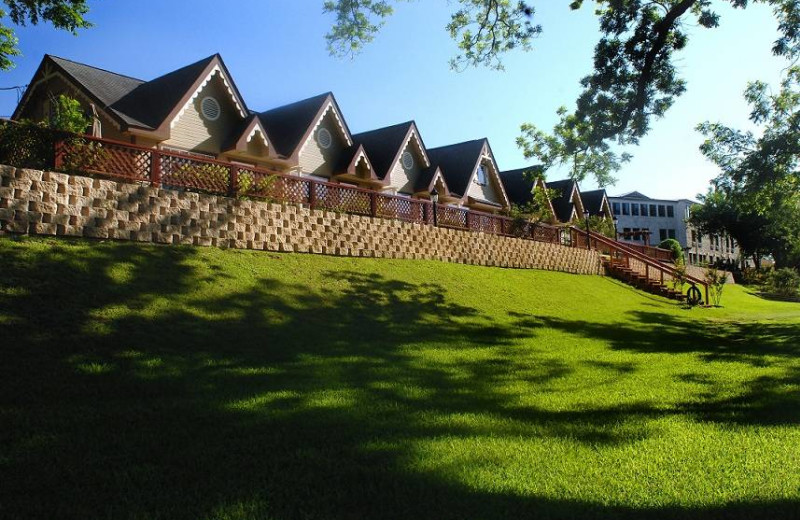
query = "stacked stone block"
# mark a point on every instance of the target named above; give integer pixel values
(47, 203)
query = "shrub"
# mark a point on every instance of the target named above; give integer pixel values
(784, 282)
(716, 281)
(68, 116)
(674, 246)
(679, 278)
(753, 276)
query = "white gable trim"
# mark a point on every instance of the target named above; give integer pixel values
(257, 129)
(329, 107)
(208, 78)
(486, 156)
(421, 149)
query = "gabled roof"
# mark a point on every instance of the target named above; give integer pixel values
(152, 102)
(458, 162)
(562, 203)
(290, 125)
(427, 181)
(518, 184)
(245, 132)
(635, 195)
(385, 145)
(103, 86)
(595, 201)
(144, 104)
(349, 159)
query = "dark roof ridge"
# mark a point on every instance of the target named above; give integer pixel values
(304, 100)
(52, 56)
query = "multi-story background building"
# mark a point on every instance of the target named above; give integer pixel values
(643, 219)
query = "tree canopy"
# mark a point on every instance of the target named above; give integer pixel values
(68, 15)
(634, 78)
(756, 197)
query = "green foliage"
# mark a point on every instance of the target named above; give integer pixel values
(598, 224)
(756, 197)
(679, 275)
(68, 116)
(784, 282)
(68, 15)
(26, 145)
(716, 280)
(674, 246)
(634, 80)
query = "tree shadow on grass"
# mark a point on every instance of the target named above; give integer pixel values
(128, 391)
(766, 400)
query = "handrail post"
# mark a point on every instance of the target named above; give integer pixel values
(58, 157)
(312, 194)
(373, 204)
(234, 180)
(468, 220)
(155, 168)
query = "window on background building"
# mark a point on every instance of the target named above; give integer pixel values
(626, 208)
(653, 210)
(671, 211)
(662, 234)
(635, 210)
(662, 210)
(687, 213)
(671, 233)
(644, 209)
(694, 236)
(615, 208)
(626, 230)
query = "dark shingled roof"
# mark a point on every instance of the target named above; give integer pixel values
(345, 158)
(593, 201)
(107, 87)
(425, 178)
(562, 202)
(286, 125)
(150, 103)
(518, 186)
(382, 145)
(457, 162)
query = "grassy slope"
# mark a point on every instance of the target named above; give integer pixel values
(163, 382)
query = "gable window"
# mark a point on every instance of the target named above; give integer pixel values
(407, 160)
(481, 178)
(210, 108)
(324, 138)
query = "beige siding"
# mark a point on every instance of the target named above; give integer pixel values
(403, 179)
(313, 158)
(193, 132)
(488, 192)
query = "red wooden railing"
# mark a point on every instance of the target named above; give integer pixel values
(172, 169)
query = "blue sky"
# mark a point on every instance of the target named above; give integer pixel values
(276, 53)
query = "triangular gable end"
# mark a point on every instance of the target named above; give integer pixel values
(215, 67)
(486, 153)
(331, 106)
(252, 131)
(358, 157)
(413, 133)
(48, 69)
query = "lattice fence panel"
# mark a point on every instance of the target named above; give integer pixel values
(186, 172)
(400, 208)
(85, 155)
(449, 216)
(257, 184)
(341, 198)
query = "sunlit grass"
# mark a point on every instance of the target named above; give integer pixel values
(166, 382)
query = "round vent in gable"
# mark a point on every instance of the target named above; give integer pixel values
(324, 138)
(210, 108)
(407, 160)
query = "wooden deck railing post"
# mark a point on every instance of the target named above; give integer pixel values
(58, 157)
(312, 194)
(233, 187)
(373, 203)
(155, 168)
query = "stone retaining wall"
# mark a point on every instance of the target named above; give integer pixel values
(46, 203)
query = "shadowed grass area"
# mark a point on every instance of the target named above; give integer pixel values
(167, 382)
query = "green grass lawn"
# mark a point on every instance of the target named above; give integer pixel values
(168, 382)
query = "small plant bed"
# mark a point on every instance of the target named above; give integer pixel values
(186, 383)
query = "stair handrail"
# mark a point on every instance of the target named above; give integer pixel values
(664, 268)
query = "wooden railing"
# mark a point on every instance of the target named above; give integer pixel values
(134, 163)
(621, 252)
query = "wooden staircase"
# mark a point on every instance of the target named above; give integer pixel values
(625, 274)
(636, 268)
